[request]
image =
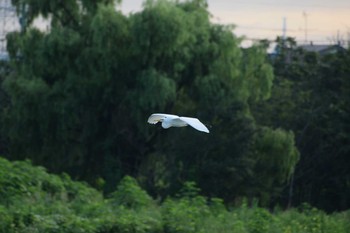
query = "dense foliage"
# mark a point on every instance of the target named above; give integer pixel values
(75, 99)
(310, 96)
(31, 200)
(81, 92)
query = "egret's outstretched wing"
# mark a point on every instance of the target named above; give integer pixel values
(195, 123)
(156, 117)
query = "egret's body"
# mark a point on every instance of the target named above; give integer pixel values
(169, 120)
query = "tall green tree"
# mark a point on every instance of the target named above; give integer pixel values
(81, 93)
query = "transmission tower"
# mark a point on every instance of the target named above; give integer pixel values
(8, 23)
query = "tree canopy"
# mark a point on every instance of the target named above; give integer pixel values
(80, 94)
(311, 97)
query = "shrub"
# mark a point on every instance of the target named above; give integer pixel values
(129, 194)
(33, 201)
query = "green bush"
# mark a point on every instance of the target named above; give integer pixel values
(33, 201)
(129, 194)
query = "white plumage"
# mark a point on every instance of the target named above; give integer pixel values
(169, 120)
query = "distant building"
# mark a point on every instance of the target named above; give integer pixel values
(296, 53)
(9, 23)
(322, 49)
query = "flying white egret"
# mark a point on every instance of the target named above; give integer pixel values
(169, 120)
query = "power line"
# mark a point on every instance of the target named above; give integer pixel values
(272, 29)
(299, 41)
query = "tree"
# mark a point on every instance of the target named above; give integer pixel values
(82, 91)
(309, 96)
(277, 158)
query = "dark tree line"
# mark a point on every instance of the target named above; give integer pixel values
(311, 98)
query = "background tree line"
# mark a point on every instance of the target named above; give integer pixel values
(311, 98)
(76, 99)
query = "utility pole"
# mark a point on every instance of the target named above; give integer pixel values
(284, 28)
(339, 40)
(305, 15)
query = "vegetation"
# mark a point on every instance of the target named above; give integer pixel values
(75, 99)
(311, 97)
(80, 94)
(34, 201)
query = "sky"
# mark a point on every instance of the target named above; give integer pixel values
(317, 21)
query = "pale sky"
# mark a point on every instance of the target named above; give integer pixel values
(325, 20)
(319, 21)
